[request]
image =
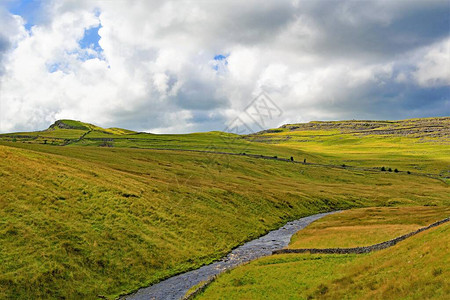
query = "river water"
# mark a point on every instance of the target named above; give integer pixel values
(175, 287)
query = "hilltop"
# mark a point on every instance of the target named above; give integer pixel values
(77, 125)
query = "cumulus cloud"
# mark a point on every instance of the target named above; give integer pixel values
(434, 68)
(178, 66)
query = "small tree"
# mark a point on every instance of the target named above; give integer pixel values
(383, 169)
(408, 172)
(390, 170)
(304, 161)
(343, 165)
(396, 170)
(292, 158)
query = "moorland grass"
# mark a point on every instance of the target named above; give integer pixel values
(349, 143)
(351, 146)
(81, 221)
(366, 226)
(416, 268)
(78, 222)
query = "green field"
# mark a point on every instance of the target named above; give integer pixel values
(417, 268)
(102, 215)
(366, 226)
(418, 145)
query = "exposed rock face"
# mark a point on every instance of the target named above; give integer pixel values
(63, 125)
(60, 124)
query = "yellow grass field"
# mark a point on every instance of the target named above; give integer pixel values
(416, 268)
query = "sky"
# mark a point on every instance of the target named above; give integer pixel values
(187, 66)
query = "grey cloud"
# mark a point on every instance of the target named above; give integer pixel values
(356, 28)
(199, 95)
(4, 46)
(241, 22)
(330, 55)
(389, 101)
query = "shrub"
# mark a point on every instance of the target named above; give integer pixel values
(408, 172)
(390, 170)
(383, 169)
(437, 272)
(292, 159)
(343, 165)
(396, 170)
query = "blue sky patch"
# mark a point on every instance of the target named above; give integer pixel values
(220, 61)
(58, 66)
(27, 9)
(220, 57)
(53, 68)
(91, 39)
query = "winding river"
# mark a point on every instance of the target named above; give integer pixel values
(175, 288)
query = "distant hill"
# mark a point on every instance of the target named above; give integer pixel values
(71, 124)
(425, 127)
(418, 145)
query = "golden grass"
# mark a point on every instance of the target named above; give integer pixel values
(77, 222)
(346, 143)
(366, 226)
(416, 268)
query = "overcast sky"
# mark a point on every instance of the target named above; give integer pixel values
(185, 66)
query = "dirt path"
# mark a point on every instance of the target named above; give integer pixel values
(177, 286)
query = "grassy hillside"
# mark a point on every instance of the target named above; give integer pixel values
(366, 226)
(80, 220)
(418, 145)
(416, 268)
(76, 133)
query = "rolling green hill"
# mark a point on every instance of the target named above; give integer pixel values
(417, 145)
(88, 211)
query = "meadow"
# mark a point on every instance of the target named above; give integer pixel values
(104, 216)
(366, 226)
(416, 268)
(417, 145)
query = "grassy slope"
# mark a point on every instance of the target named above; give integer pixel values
(79, 221)
(416, 268)
(366, 226)
(85, 134)
(420, 145)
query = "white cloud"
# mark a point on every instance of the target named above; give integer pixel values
(434, 68)
(156, 71)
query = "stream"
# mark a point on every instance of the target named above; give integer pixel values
(175, 287)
